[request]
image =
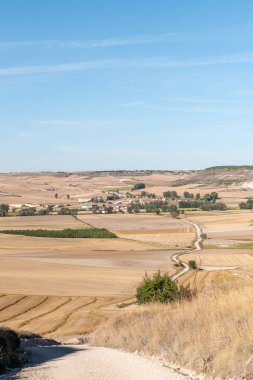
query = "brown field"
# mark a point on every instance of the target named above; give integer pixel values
(52, 222)
(224, 231)
(56, 287)
(162, 231)
(225, 227)
(242, 258)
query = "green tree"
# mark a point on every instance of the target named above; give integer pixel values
(4, 209)
(139, 185)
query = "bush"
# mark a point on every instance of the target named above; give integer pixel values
(67, 211)
(9, 345)
(160, 288)
(27, 212)
(192, 264)
(174, 214)
(138, 186)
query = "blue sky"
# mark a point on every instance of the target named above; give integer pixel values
(101, 85)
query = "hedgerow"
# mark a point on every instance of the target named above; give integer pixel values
(99, 233)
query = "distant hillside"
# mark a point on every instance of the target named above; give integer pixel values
(219, 176)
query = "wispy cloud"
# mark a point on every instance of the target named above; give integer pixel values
(146, 63)
(144, 39)
(85, 124)
(140, 39)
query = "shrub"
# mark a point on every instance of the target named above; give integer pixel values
(203, 236)
(9, 345)
(158, 288)
(192, 264)
(138, 186)
(27, 212)
(67, 211)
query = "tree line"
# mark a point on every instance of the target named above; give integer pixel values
(88, 233)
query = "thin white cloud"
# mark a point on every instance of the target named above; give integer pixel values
(148, 63)
(109, 42)
(85, 124)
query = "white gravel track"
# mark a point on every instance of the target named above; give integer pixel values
(88, 363)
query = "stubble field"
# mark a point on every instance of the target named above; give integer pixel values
(56, 287)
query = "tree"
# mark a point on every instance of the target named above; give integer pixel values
(174, 214)
(4, 208)
(44, 211)
(130, 209)
(109, 210)
(171, 194)
(27, 212)
(139, 185)
(56, 195)
(68, 196)
(187, 194)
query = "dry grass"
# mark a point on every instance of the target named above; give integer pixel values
(211, 334)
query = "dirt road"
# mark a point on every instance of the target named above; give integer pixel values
(197, 244)
(79, 362)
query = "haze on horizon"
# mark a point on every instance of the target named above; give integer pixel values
(112, 85)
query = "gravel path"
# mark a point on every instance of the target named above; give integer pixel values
(88, 363)
(175, 257)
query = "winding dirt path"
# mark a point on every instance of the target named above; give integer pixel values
(80, 362)
(197, 244)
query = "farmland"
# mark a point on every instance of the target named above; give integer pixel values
(57, 287)
(65, 287)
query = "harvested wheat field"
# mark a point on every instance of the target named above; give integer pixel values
(225, 228)
(160, 231)
(56, 287)
(52, 222)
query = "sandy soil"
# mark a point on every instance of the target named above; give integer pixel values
(82, 362)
